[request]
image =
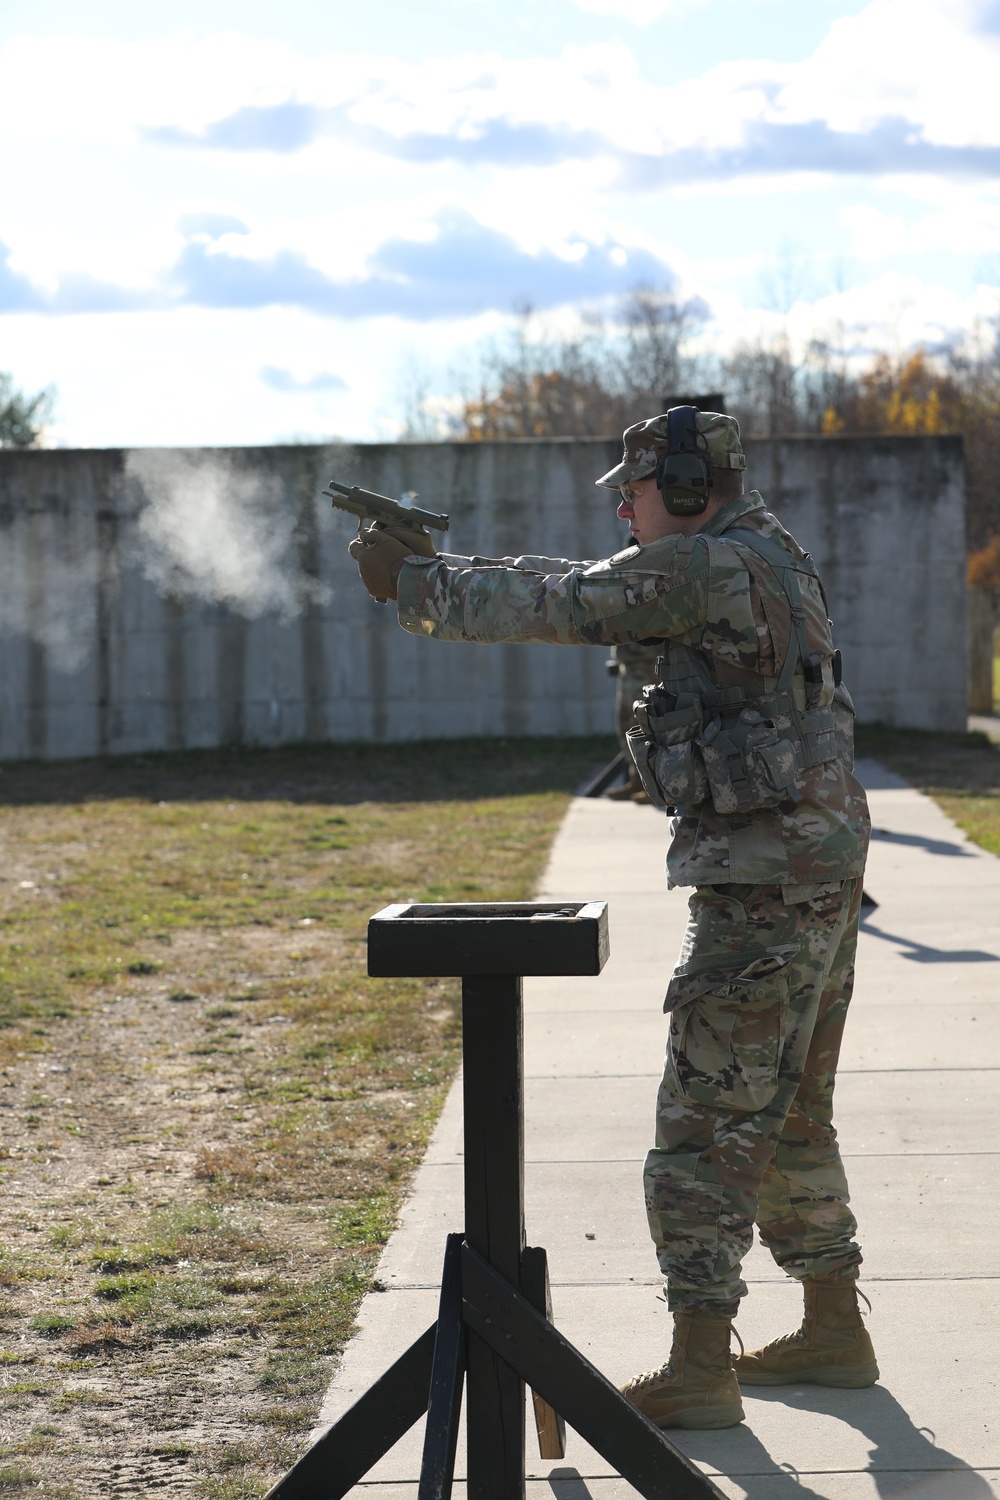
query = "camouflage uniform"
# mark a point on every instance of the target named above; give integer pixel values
(743, 1116)
(759, 997)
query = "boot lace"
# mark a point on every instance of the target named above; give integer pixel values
(651, 1377)
(666, 1372)
(786, 1341)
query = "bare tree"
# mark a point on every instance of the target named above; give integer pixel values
(596, 382)
(763, 385)
(657, 326)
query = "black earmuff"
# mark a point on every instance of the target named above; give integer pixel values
(684, 473)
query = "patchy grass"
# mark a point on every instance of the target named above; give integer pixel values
(209, 1111)
(15, 1477)
(960, 771)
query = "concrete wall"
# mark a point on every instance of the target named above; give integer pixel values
(115, 639)
(885, 520)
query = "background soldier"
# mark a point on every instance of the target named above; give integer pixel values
(748, 738)
(634, 666)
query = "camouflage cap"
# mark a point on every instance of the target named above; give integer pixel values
(645, 440)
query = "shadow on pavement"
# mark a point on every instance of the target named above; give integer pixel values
(903, 1460)
(921, 953)
(919, 841)
(569, 1484)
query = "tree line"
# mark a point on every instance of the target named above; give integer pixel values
(609, 374)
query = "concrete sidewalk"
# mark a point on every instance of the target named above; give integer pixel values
(988, 724)
(919, 1118)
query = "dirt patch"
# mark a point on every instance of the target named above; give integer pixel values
(158, 1230)
(208, 1113)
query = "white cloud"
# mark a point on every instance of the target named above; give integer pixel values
(639, 12)
(101, 89)
(86, 88)
(974, 224)
(336, 172)
(642, 12)
(452, 262)
(893, 312)
(874, 234)
(916, 60)
(193, 379)
(916, 70)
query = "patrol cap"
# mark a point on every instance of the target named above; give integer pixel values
(646, 440)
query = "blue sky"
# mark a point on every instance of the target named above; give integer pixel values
(233, 223)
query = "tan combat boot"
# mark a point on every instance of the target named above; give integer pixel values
(697, 1387)
(831, 1348)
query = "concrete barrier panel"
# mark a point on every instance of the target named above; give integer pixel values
(166, 598)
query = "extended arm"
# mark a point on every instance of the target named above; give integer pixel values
(659, 590)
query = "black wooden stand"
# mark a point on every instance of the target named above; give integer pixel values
(493, 1331)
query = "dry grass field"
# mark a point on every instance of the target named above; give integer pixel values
(208, 1112)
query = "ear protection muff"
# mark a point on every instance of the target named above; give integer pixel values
(684, 473)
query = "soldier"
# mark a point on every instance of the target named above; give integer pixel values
(748, 739)
(634, 666)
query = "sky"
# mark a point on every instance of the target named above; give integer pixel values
(233, 222)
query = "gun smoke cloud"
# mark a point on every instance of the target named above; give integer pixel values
(50, 601)
(201, 528)
(213, 532)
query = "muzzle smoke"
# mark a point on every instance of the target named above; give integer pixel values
(212, 532)
(50, 601)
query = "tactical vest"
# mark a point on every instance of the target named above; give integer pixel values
(710, 729)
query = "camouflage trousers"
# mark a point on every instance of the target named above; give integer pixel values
(744, 1129)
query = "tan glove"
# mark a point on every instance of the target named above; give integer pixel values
(380, 551)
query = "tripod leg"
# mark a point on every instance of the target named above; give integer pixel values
(549, 1425)
(343, 1455)
(550, 1364)
(437, 1468)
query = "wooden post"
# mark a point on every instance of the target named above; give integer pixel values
(494, 1219)
(495, 1318)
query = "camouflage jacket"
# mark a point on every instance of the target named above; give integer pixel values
(718, 600)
